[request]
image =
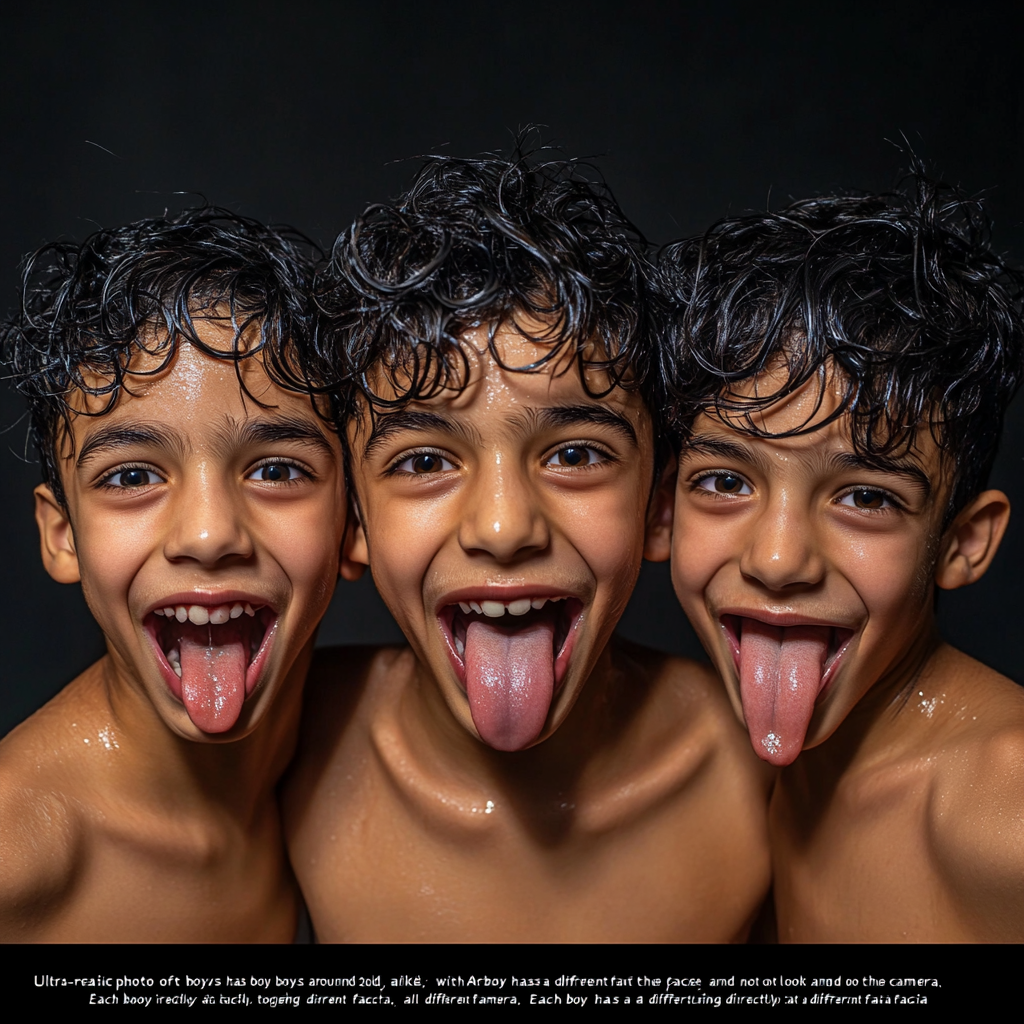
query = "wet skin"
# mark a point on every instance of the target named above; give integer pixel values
(793, 530)
(129, 822)
(633, 809)
(522, 486)
(188, 493)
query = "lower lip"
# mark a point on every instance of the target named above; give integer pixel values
(827, 676)
(253, 673)
(561, 661)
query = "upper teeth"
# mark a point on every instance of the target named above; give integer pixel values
(495, 609)
(200, 614)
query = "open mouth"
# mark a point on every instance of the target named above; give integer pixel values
(511, 656)
(212, 655)
(784, 670)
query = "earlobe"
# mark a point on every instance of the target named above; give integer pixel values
(658, 536)
(56, 539)
(355, 555)
(972, 540)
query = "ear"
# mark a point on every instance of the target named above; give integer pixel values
(355, 555)
(658, 536)
(56, 539)
(971, 542)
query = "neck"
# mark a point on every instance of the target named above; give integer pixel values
(234, 777)
(429, 727)
(877, 723)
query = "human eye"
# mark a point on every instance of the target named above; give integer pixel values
(722, 482)
(131, 478)
(278, 471)
(872, 499)
(423, 463)
(576, 456)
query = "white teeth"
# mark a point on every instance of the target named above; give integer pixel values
(169, 612)
(465, 607)
(236, 610)
(476, 607)
(220, 614)
(492, 609)
(158, 611)
(198, 615)
(520, 607)
(537, 602)
(460, 646)
(174, 660)
(249, 610)
(181, 613)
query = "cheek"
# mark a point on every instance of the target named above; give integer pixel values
(892, 574)
(701, 545)
(609, 535)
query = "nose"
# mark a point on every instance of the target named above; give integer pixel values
(208, 521)
(782, 547)
(503, 515)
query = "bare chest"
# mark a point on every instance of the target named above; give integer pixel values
(860, 865)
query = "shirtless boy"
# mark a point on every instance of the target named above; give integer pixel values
(858, 355)
(514, 774)
(197, 495)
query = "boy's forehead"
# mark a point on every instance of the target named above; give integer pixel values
(803, 424)
(524, 378)
(188, 387)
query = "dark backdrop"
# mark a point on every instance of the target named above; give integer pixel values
(297, 111)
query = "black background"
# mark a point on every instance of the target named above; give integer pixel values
(298, 111)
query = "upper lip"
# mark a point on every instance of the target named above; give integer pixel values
(211, 599)
(505, 595)
(782, 619)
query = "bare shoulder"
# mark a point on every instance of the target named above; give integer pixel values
(342, 681)
(976, 805)
(686, 699)
(43, 815)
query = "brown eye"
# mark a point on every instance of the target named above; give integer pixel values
(865, 498)
(423, 463)
(725, 483)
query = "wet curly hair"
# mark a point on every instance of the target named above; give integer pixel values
(88, 309)
(900, 292)
(491, 241)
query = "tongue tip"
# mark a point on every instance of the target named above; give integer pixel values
(772, 748)
(213, 685)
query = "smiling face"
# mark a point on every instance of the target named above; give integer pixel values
(806, 569)
(205, 530)
(505, 526)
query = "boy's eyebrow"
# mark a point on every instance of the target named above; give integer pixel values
(389, 424)
(708, 444)
(883, 464)
(254, 433)
(138, 434)
(583, 414)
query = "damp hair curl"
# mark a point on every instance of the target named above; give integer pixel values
(899, 295)
(527, 241)
(87, 310)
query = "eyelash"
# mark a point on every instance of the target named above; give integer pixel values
(602, 455)
(894, 503)
(105, 482)
(395, 468)
(695, 482)
(304, 472)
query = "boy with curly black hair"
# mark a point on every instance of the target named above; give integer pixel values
(193, 485)
(840, 372)
(515, 774)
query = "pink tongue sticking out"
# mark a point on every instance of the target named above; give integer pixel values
(780, 677)
(213, 682)
(510, 679)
